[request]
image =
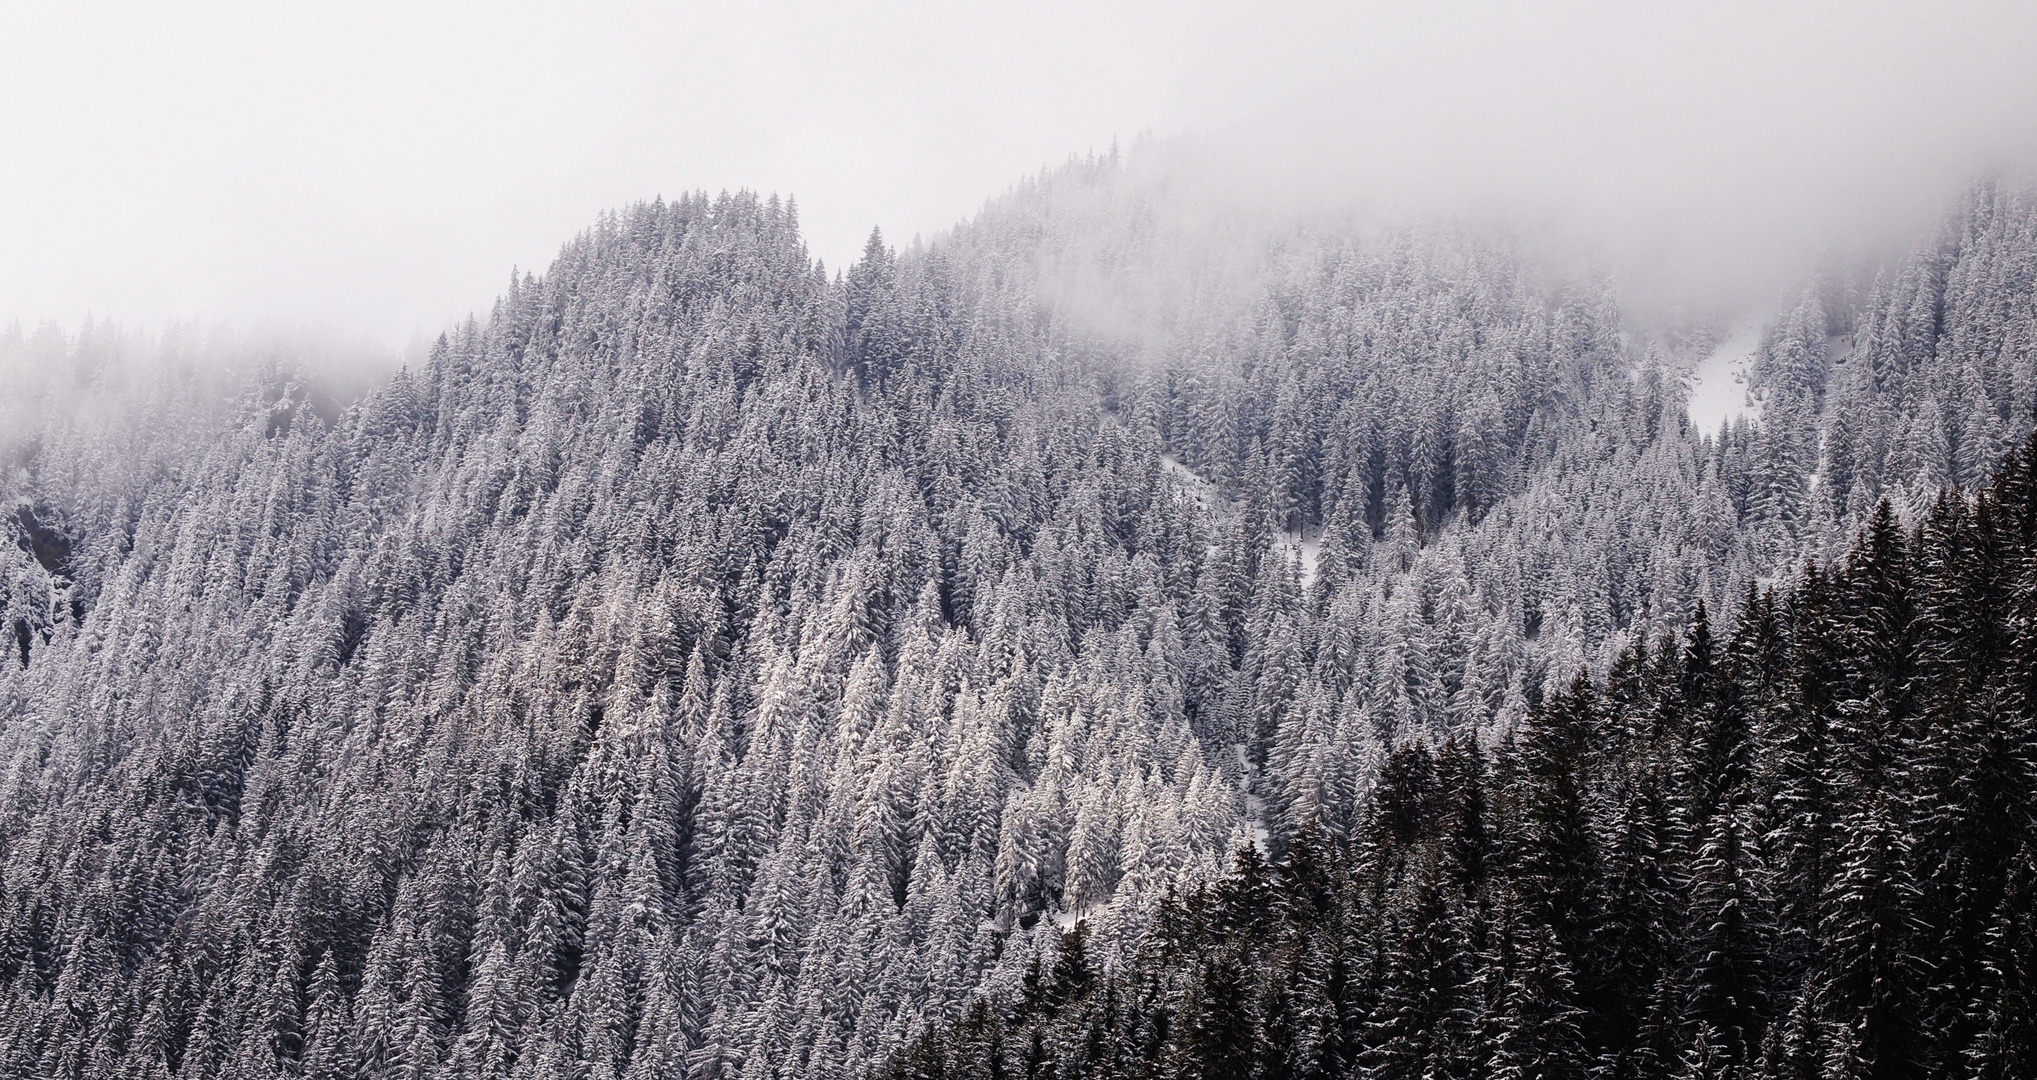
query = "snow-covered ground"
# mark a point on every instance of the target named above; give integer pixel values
(1718, 385)
(1302, 548)
(1065, 921)
(1202, 491)
(1306, 549)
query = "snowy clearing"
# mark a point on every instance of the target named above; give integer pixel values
(1305, 550)
(1302, 549)
(1718, 385)
(1202, 491)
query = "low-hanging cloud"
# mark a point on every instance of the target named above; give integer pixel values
(1707, 152)
(381, 167)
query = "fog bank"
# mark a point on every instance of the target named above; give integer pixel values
(383, 167)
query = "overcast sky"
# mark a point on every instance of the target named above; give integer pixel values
(379, 168)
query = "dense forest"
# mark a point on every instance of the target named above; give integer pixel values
(1807, 848)
(710, 665)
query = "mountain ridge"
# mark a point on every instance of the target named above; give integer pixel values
(705, 667)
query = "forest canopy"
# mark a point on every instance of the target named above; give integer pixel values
(706, 665)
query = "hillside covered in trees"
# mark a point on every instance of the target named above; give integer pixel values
(710, 665)
(1804, 848)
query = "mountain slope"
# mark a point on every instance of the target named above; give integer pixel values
(706, 667)
(1806, 848)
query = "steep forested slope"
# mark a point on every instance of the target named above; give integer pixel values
(704, 666)
(1805, 849)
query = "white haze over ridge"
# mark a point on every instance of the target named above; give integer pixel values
(380, 167)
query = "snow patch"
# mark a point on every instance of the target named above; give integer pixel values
(1718, 384)
(1066, 920)
(1202, 491)
(1305, 551)
(1255, 806)
(1837, 348)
